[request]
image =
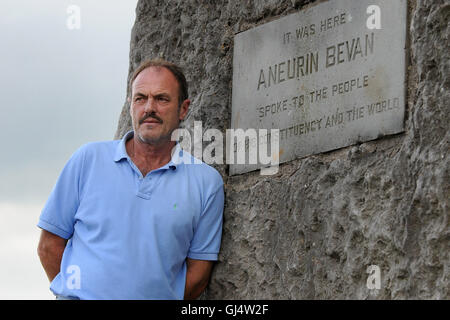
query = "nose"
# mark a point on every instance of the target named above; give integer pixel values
(150, 105)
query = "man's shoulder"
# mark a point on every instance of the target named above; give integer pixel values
(204, 172)
(98, 148)
(207, 170)
(99, 145)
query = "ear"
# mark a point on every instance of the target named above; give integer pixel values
(184, 109)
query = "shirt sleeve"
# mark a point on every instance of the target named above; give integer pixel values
(58, 215)
(205, 244)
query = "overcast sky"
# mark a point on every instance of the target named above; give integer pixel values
(59, 89)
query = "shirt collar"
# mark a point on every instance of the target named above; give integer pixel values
(121, 152)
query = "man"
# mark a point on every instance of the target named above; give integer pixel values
(127, 219)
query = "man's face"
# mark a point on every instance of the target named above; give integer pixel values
(155, 109)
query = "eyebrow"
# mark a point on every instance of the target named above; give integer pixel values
(162, 94)
(139, 94)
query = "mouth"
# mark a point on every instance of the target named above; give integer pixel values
(150, 120)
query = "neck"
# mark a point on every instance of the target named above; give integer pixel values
(148, 157)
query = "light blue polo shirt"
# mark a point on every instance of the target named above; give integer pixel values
(130, 235)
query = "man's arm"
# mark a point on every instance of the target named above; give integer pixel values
(197, 277)
(50, 250)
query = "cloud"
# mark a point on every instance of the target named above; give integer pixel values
(21, 274)
(59, 89)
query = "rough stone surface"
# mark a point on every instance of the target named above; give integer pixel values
(311, 231)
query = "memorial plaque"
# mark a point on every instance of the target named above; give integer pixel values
(329, 76)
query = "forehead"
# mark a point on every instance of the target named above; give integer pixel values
(155, 80)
